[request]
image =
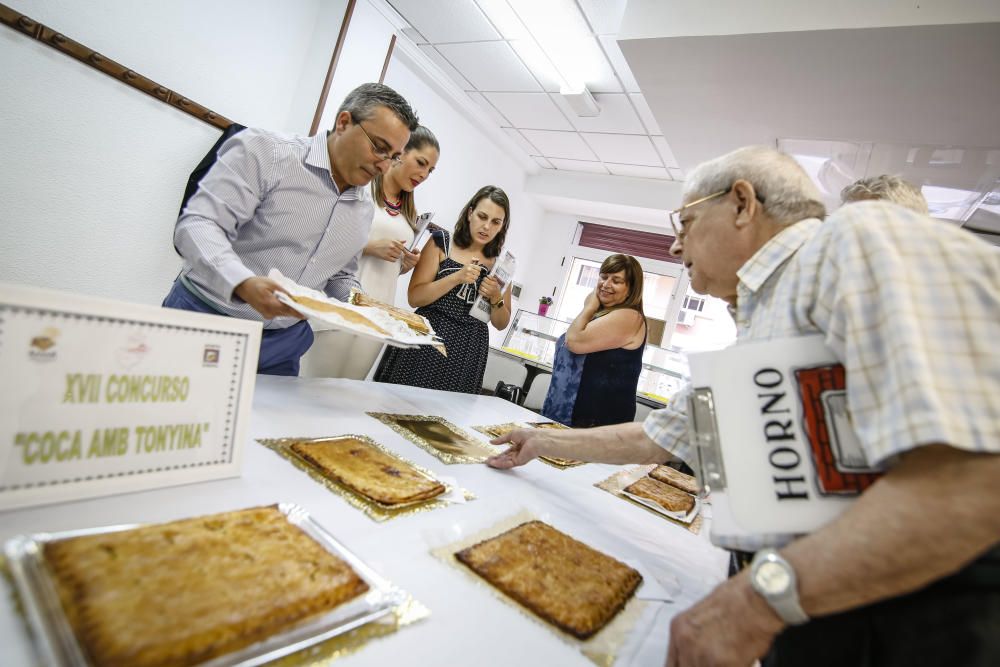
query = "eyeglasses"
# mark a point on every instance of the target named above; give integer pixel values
(380, 154)
(675, 215)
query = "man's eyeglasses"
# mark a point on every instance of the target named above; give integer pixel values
(379, 153)
(675, 215)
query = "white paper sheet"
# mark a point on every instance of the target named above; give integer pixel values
(400, 335)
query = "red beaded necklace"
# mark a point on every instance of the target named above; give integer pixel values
(393, 207)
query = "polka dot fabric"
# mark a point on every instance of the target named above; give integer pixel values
(466, 339)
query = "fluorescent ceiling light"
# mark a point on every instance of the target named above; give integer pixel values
(581, 102)
(551, 37)
(564, 36)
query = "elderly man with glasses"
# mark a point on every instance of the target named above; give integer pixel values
(910, 573)
(263, 200)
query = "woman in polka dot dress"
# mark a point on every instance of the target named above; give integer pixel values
(447, 278)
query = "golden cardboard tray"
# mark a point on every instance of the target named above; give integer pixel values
(600, 648)
(376, 510)
(439, 437)
(563, 581)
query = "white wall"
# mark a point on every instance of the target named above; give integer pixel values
(545, 268)
(361, 59)
(94, 170)
(315, 65)
(469, 160)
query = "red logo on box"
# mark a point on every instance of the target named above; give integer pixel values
(840, 462)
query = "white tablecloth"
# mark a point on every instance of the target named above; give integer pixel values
(468, 625)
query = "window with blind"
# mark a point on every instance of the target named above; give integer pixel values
(693, 303)
(588, 276)
(628, 241)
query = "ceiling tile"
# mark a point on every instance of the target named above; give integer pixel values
(604, 16)
(645, 113)
(539, 64)
(638, 171)
(504, 19)
(676, 174)
(624, 149)
(494, 115)
(543, 162)
(446, 66)
(529, 110)
(563, 33)
(446, 20)
(617, 58)
(567, 145)
(490, 66)
(521, 141)
(599, 75)
(666, 154)
(617, 115)
(579, 165)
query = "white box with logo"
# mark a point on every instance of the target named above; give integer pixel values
(101, 396)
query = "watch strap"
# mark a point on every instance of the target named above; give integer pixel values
(785, 604)
(789, 609)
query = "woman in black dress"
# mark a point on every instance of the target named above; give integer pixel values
(598, 360)
(448, 277)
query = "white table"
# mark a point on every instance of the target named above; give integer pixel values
(468, 625)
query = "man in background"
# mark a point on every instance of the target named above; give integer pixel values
(292, 203)
(886, 188)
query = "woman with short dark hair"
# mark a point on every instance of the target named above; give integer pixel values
(598, 360)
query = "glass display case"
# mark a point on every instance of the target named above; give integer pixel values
(533, 337)
(664, 370)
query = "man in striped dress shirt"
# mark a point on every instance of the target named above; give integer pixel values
(910, 573)
(296, 204)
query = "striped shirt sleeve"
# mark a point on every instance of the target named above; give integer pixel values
(667, 427)
(339, 286)
(226, 199)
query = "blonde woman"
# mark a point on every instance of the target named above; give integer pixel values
(384, 259)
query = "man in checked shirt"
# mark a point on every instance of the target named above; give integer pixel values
(263, 200)
(910, 573)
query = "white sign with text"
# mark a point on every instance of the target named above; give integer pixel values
(780, 422)
(101, 397)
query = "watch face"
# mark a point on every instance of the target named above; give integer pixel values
(772, 578)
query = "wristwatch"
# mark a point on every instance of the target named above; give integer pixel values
(499, 304)
(774, 579)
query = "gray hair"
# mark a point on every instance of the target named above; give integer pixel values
(782, 186)
(887, 188)
(361, 103)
